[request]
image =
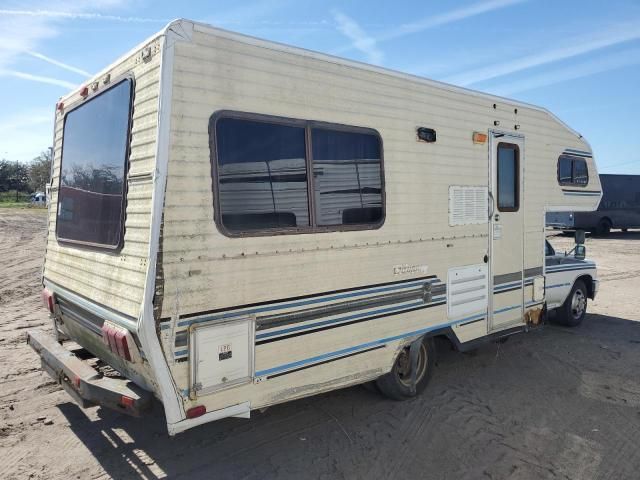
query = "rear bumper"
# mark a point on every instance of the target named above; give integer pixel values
(83, 383)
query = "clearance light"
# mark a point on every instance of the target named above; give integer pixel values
(479, 138)
(60, 106)
(198, 411)
(84, 92)
(47, 299)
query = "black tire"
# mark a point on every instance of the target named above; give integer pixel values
(603, 228)
(574, 308)
(397, 383)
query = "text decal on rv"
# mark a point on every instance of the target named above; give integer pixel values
(94, 166)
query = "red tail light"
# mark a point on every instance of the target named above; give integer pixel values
(197, 411)
(116, 339)
(47, 299)
(127, 402)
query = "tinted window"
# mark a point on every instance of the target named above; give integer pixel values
(580, 172)
(572, 171)
(93, 169)
(262, 175)
(347, 177)
(565, 170)
(508, 177)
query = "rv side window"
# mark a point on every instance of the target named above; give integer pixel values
(95, 146)
(346, 177)
(508, 177)
(263, 181)
(262, 175)
(572, 171)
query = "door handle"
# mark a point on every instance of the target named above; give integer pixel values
(491, 207)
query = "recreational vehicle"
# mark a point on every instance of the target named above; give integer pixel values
(235, 223)
(619, 208)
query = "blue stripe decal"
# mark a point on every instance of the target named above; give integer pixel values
(362, 346)
(181, 352)
(571, 269)
(578, 152)
(506, 309)
(582, 194)
(270, 308)
(558, 285)
(534, 302)
(344, 319)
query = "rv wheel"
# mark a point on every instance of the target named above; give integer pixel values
(397, 383)
(603, 228)
(574, 308)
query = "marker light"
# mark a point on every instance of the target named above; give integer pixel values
(479, 138)
(197, 411)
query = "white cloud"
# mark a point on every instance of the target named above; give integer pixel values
(445, 18)
(38, 78)
(71, 15)
(592, 67)
(613, 36)
(361, 41)
(58, 63)
(433, 21)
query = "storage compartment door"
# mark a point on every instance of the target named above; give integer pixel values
(221, 355)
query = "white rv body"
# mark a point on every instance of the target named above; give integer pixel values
(235, 322)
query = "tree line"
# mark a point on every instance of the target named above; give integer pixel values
(26, 177)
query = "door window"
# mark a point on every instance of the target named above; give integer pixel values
(508, 177)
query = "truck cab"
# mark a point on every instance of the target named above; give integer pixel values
(570, 281)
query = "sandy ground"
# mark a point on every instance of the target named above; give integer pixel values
(554, 403)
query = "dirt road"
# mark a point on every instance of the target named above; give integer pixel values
(555, 403)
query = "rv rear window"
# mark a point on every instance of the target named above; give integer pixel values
(262, 173)
(95, 146)
(572, 171)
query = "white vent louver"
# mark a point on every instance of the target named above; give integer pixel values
(467, 290)
(468, 205)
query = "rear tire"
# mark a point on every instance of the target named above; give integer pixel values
(604, 227)
(574, 308)
(397, 383)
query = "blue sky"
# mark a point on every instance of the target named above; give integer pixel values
(580, 59)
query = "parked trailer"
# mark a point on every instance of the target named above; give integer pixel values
(619, 208)
(271, 223)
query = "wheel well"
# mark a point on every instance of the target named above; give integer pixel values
(588, 282)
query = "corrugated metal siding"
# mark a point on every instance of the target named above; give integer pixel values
(205, 270)
(115, 280)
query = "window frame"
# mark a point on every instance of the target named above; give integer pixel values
(516, 148)
(573, 159)
(307, 125)
(127, 77)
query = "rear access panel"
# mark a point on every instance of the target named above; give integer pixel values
(221, 355)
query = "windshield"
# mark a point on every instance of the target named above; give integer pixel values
(93, 170)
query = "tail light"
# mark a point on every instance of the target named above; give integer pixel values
(47, 299)
(116, 339)
(197, 411)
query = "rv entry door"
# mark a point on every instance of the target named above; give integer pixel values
(506, 224)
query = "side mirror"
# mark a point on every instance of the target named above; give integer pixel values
(580, 252)
(580, 237)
